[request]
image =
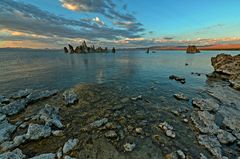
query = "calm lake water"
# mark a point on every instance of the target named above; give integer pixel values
(134, 70)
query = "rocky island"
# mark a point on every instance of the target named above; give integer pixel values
(191, 49)
(83, 48)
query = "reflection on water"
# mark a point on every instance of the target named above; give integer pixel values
(54, 69)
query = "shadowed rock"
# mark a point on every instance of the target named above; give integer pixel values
(71, 49)
(113, 50)
(15, 154)
(6, 129)
(65, 49)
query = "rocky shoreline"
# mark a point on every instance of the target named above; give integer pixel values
(80, 123)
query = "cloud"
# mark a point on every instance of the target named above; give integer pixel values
(22, 18)
(104, 7)
(98, 21)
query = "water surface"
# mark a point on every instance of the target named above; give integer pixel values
(44, 69)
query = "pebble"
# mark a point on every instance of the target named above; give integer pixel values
(58, 133)
(170, 133)
(137, 98)
(139, 130)
(69, 145)
(111, 134)
(128, 147)
(181, 154)
(185, 120)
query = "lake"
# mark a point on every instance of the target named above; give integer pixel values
(41, 69)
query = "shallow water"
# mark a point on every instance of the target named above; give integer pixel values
(41, 69)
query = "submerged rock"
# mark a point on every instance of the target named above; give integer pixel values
(181, 96)
(2, 117)
(181, 154)
(35, 96)
(21, 94)
(70, 97)
(51, 116)
(13, 108)
(212, 144)
(99, 123)
(6, 129)
(205, 104)
(69, 145)
(205, 122)
(4, 100)
(36, 131)
(228, 65)
(225, 137)
(168, 129)
(128, 147)
(111, 134)
(176, 78)
(15, 154)
(137, 98)
(45, 156)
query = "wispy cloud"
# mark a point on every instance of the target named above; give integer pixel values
(29, 19)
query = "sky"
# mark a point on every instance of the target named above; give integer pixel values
(119, 23)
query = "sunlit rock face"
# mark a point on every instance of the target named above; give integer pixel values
(192, 49)
(228, 65)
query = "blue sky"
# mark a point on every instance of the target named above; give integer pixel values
(121, 23)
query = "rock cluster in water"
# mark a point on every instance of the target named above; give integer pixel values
(191, 49)
(85, 49)
(229, 66)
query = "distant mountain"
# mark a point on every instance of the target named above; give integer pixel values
(205, 47)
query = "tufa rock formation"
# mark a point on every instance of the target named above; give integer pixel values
(192, 49)
(71, 49)
(83, 48)
(228, 65)
(65, 50)
(113, 50)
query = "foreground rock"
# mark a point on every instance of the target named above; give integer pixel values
(70, 97)
(69, 145)
(15, 154)
(212, 144)
(39, 95)
(45, 156)
(14, 107)
(6, 129)
(51, 116)
(205, 104)
(21, 94)
(192, 49)
(228, 65)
